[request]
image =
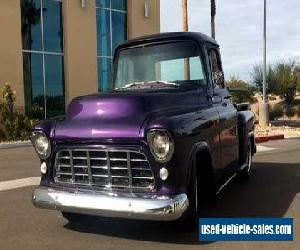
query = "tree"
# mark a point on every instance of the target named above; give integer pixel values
(297, 76)
(283, 79)
(212, 18)
(185, 18)
(287, 81)
(31, 16)
(257, 78)
(185, 27)
(240, 90)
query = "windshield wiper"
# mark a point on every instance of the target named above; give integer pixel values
(136, 84)
(165, 82)
(129, 85)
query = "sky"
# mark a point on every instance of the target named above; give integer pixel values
(239, 30)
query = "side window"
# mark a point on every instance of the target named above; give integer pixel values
(216, 69)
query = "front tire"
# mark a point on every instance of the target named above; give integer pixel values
(200, 192)
(188, 221)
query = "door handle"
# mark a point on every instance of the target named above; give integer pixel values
(224, 104)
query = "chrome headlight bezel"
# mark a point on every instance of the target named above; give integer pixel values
(162, 135)
(37, 139)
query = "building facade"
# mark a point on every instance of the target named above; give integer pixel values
(54, 50)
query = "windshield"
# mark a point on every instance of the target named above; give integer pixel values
(169, 64)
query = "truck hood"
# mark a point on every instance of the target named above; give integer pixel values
(118, 114)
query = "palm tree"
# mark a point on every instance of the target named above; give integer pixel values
(185, 27)
(185, 16)
(30, 16)
(212, 18)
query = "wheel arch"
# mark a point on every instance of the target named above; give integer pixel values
(200, 150)
(253, 143)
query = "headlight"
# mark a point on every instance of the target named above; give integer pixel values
(41, 144)
(161, 145)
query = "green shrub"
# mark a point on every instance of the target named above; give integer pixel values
(2, 133)
(290, 111)
(240, 90)
(276, 112)
(13, 125)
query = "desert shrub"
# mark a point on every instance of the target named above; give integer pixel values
(13, 125)
(276, 112)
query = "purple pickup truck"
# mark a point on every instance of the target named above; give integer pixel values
(163, 141)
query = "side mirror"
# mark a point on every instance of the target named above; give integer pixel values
(242, 106)
(218, 78)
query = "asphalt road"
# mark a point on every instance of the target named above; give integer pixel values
(272, 191)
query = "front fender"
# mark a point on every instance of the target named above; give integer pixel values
(245, 131)
(192, 130)
(48, 127)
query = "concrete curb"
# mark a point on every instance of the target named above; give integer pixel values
(262, 139)
(11, 145)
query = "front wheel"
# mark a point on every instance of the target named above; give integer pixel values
(189, 219)
(201, 193)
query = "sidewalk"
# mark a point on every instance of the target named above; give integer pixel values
(15, 144)
(275, 133)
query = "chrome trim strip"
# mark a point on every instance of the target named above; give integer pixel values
(88, 159)
(226, 183)
(108, 169)
(72, 166)
(158, 208)
(129, 169)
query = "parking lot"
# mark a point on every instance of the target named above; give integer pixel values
(272, 191)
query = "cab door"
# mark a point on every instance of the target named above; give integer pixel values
(228, 129)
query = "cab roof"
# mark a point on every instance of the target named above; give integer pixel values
(162, 37)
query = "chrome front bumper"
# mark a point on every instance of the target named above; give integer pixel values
(99, 204)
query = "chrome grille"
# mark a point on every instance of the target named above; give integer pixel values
(104, 168)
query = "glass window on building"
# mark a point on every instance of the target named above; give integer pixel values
(42, 39)
(111, 31)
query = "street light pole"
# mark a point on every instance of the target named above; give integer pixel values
(265, 52)
(264, 106)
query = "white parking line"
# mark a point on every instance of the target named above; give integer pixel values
(18, 183)
(261, 148)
